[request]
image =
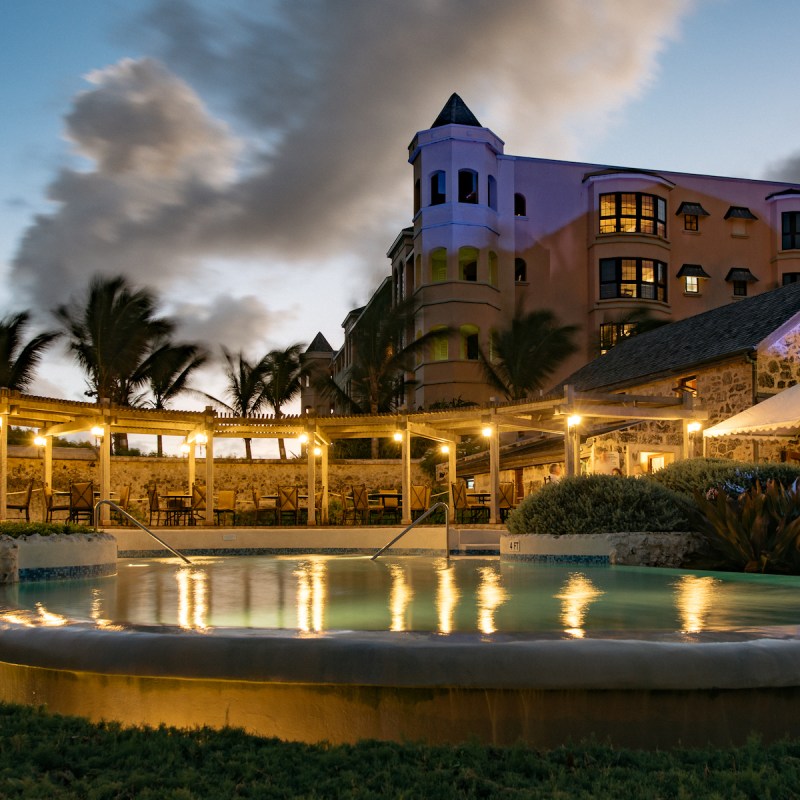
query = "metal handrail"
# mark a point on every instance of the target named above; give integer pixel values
(136, 522)
(416, 522)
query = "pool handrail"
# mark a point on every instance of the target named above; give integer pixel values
(416, 522)
(112, 504)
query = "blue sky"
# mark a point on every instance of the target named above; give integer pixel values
(247, 159)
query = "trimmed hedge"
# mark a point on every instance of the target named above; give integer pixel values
(17, 529)
(600, 504)
(700, 474)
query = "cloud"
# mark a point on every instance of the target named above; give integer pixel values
(787, 169)
(320, 101)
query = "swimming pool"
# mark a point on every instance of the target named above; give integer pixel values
(338, 649)
(315, 594)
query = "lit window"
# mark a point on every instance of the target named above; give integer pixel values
(633, 212)
(467, 186)
(438, 188)
(642, 278)
(520, 205)
(612, 333)
(691, 284)
(468, 264)
(691, 222)
(790, 225)
(520, 270)
(492, 187)
(439, 348)
(439, 265)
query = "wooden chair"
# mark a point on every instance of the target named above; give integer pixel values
(123, 500)
(391, 506)
(198, 509)
(318, 495)
(420, 500)
(288, 504)
(226, 504)
(51, 505)
(156, 512)
(506, 500)
(81, 502)
(21, 501)
(464, 506)
(271, 510)
(363, 509)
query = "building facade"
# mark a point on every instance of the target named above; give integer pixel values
(602, 247)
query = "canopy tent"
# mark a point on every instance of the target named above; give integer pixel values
(778, 415)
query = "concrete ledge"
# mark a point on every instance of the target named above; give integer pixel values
(405, 687)
(646, 549)
(77, 555)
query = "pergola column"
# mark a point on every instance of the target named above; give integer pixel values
(311, 460)
(192, 464)
(451, 479)
(405, 450)
(3, 465)
(105, 472)
(323, 468)
(209, 520)
(494, 473)
(48, 461)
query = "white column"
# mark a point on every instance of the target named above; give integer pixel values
(105, 473)
(451, 478)
(405, 450)
(494, 474)
(323, 466)
(311, 460)
(48, 461)
(192, 465)
(3, 465)
(210, 478)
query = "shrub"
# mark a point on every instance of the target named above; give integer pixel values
(17, 529)
(755, 530)
(600, 504)
(700, 474)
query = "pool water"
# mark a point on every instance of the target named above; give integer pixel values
(315, 594)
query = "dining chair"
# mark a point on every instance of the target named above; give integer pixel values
(288, 504)
(21, 501)
(52, 505)
(464, 506)
(156, 512)
(226, 504)
(261, 508)
(123, 500)
(391, 504)
(420, 500)
(318, 495)
(506, 500)
(81, 502)
(363, 509)
(198, 509)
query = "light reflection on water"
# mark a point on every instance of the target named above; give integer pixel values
(313, 594)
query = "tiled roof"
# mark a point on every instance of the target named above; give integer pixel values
(739, 212)
(319, 345)
(681, 346)
(455, 112)
(692, 208)
(692, 271)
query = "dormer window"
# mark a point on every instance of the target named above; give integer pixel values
(692, 274)
(740, 218)
(691, 213)
(739, 277)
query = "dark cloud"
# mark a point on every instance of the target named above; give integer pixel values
(787, 170)
(321, 100)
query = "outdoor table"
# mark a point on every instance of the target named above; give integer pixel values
(176, 505)
(480, 497)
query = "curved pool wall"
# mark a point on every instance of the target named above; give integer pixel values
(348, 687)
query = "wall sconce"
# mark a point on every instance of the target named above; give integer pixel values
(317, 451)
(98, 431)
(185, 448)
(445, 448)
(303, 438)
(693, 427)
(397, 436)
(39, 440)
(574, 420)
(200, 438)
(486, 432)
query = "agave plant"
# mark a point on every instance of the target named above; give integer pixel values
(758, 530)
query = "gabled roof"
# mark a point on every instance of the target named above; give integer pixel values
(319, 345)
(678, 347)
(455, 112)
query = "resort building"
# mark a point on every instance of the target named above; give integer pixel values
(603, 247)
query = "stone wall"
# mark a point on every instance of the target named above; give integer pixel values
(263, 476)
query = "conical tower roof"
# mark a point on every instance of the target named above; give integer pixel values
(319, 345)
(455, 112)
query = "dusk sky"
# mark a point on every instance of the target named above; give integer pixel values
(247, 159)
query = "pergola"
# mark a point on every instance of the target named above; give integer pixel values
(571, 415)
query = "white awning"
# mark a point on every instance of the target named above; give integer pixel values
(778, 415)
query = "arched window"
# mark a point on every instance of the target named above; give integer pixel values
(468, 264)
(439, 265)
(416, 197)
(467, 186)
(492, 268)
(439, 344)
(438, 188)
(520, 270)
(520, 205)
(492, 192)
(469, 342)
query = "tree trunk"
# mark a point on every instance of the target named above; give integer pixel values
(159, 446)
(282, 449)
(248, 453)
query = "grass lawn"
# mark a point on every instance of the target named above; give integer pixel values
(50, 757)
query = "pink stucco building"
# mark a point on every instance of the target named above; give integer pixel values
(594, 243)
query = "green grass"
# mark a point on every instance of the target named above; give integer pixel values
(51, 757)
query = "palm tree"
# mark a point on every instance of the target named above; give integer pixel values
(18, 361)
(111, 334)
(168, 369)
(245, 389)
(376, 379)
(527, 353)
(283, 375)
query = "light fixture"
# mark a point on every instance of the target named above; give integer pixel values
(573, 420)
(397, 436)
(185, 449)
(445, 448)
(39, 440)
(98, 431)
(303, 437)
(693, 427)
(200, 438)
(318, 451)
(486, 432)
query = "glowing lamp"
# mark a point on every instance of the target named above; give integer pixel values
(693, 427)
(445, 448)
(486, 432)
(573, 420)
(303, 437)
(39, 441)
(200, 438)
(185, 449)
(98, 431)
(397, 436)
(317, 451)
